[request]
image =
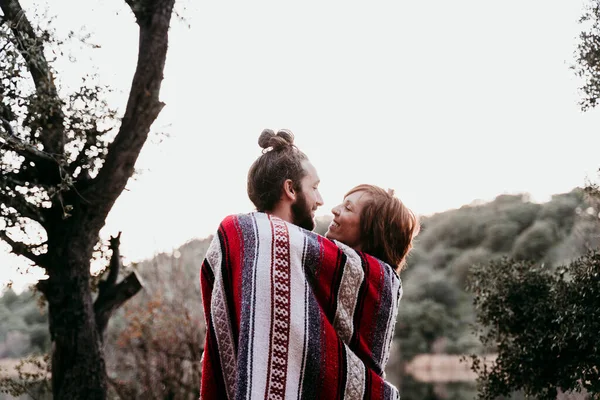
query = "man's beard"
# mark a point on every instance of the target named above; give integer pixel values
(302, 213)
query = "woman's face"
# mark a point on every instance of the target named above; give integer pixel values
(345, 226)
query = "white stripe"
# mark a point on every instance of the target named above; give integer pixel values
(352, 278)
(262, 312)
(396, 292)
(213, 254)
(355, 378)
(250, 349)
(220, 318)
(305, 350)
(298, 300)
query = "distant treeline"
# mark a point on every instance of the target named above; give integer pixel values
(155, 341)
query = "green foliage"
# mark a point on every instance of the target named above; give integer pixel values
(155, 340)
(523, 214)
(31, 377)
(460, 228)
(24, 328)
(433, 307)
(441, 256)
(459, 268)
(562, 209)
(583, 237)
(39, 338)
(426, 284)
(544, 324)
(500, 235)
(420, 323)
(588, 56)
(10, 299)
(441, 262)
(416, 256)
(535, 241)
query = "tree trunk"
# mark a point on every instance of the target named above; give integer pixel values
(78, 367)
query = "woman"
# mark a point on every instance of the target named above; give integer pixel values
(376, 222)
(377, 227)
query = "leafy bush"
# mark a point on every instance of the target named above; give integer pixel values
(544, 324)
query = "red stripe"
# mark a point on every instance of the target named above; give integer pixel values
(212, 385)
(374, 386)
(331, 379)
(367, 309)
(272, 312)
(236, 245)
(328, 278)
(280, 312)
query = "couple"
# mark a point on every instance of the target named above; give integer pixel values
(291, 314)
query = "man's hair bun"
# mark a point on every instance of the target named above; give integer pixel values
(278, 141)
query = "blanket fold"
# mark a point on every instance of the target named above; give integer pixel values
(292, 315)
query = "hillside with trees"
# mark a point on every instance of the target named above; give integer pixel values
(154, 343)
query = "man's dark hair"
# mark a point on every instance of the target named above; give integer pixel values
(280, 160)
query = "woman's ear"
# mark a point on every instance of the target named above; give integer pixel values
(288, 190)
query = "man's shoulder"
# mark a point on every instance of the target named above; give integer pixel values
(234, 219)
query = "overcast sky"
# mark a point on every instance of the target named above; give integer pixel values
(446, 102)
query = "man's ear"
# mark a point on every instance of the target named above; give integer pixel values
(288, 190)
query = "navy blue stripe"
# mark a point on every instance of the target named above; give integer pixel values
(343, 364)
(311, 259)
(311, 379)
(206, 269)
(368, 385)
(340, 265)
(300, 381)
(385, 309)
(247, 226)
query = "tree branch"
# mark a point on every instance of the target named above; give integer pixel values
(30, 152)
(110, 294)
(143, 106)
(11, 180)
(115, 260)
(31, 48)
(23, 177)
(23, 207)
(21, 249)
(111, 298)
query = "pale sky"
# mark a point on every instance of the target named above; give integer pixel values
(445, 102)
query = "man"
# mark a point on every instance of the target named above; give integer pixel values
(278, 317)
(283, 182)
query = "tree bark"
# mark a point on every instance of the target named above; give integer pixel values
(78, 367)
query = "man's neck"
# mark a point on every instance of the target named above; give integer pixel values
(282, 211)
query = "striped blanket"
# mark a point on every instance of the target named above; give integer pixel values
(292, 315)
